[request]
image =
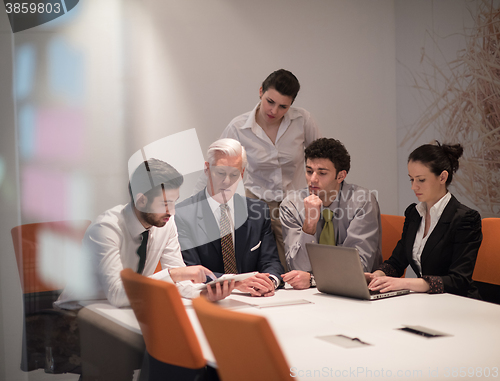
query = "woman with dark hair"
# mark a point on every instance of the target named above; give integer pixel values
(274, 135)
(441, 237)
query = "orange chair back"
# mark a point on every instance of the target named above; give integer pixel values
(392, 229)
(244, 345)
(26, 241)
(165, 325)
(487, 268)
(158, 267)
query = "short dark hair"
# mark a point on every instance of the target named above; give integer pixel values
(151, 176)
(331, 149)
(284, 82)
(439, 158)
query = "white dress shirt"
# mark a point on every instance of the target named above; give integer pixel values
(215, 207)
(435, 212)
(110, 244)
(274, 169)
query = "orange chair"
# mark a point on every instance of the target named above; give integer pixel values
(258, 357)
(169, 336)
(50, 337)
(158, 267)
(487, 268)
(392, 228)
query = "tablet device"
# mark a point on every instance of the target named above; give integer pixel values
(221, 279)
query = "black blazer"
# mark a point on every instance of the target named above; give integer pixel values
(450, 251)
(199, 236)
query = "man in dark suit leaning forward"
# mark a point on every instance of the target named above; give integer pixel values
(225, 232)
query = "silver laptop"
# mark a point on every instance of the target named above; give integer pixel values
(338, 271)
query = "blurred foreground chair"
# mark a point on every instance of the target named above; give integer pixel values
(487, 271)
(50, 337)
(174, 352)
(244, 345)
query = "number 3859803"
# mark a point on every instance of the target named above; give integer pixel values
(33, 7)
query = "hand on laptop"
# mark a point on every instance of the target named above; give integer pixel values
(388, 283)
(257, 285)
(299, 280)
(378, 281)
(382, 284)
(370, 276)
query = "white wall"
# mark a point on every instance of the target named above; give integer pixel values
(199, 64)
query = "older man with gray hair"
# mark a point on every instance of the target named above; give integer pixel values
(225, 232)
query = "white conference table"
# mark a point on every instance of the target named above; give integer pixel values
(472, 349)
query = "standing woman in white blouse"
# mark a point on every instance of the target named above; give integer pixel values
(441, 237)
(274, 135)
